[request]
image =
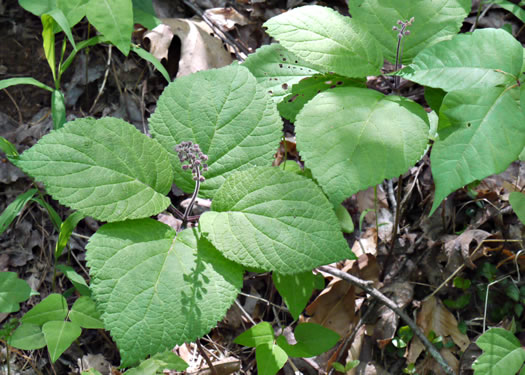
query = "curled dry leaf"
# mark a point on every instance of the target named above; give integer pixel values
(334, 308)
(226, 18)
(461, 246)
(199, 49)
(433, 316)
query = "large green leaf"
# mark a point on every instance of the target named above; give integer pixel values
(52, 308)
(156, 289)
(481, 133)
(12, 291)
(59, 336)
(114, 19)
(434, 21)
(312, 339)
(227, 114)
(502, 353)
(270, 358)
(296, 289)
(27, 337)
(353, 138)
(103, 168)
(327, 40)
(309, 87)
(517, 200)
(261, 333)
(74, 10)
(277, 69)
(274, 220)
(468, 61)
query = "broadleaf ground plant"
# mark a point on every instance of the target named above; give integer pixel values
(214, 134)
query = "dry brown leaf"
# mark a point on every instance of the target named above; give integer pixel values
(430, 366)
(365, 200)
(226, 18)
(367, 244)
(355, 349)
(385, 329)
(461, 245)
(334, 308)
(199, 49)
(433, 316)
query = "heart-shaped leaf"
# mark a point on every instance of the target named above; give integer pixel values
(27, 337)
(143, 275)
(274, 220)
(227, 114)
(312, 339)
(12, 291)
(59, 336)
(53, 307)
(468, 61)
(327, 40)
(502, 353)
(261, 333)
(277, 69)
(473, 141)
(353, 138)
(434, 21)
(296, 289)
(103, 168)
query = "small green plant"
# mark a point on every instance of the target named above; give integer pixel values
(266, 219)
(502, 353)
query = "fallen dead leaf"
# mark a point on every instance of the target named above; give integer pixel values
(433, 316)
(334, 308)
(430, 366)
(199, 49)
(226, 18)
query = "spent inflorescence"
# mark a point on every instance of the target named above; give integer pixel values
(191, 157)
(403, 27)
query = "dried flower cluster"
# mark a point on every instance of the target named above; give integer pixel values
(403, 27)
(192, 155)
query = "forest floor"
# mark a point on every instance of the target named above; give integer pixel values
(474, 236)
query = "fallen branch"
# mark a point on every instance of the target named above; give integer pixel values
(366, 286)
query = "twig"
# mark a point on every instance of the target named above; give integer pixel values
(206, 358)
(224, 36)
(106, 74)
(20, 119)
(366, 286)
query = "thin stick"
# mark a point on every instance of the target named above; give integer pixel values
(108, 64)
(20, 119)
(366, 286)
(206, 358)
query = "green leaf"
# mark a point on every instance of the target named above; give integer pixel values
(12, 291)
(58, 109)
(85, 314)
(434, 98)
(53, 215)
(270, 359)
(434, 21)
(485, 135)
(8, 148)
(169, 289)
(227, 114)
(312, 339)
(296, 290)
(152, 59)
(27, 337)
(61, 20)
(144, 14)
(66, 229)
(274, 220)
(14, 208)
(352, 138)
(59, 336)
(468, 61)
(511, 7)
(327, 40)
(78, 281)
(48, 35)
(53, 307)
(37, 7)
(259, 334)
(347, 225)
(114, 19)
(277, 69)
(74, 10)
(502, 353)
(305, 90)
(81, 45)
(103, 168)
(517, 201)
(90, 371)
(170, 360)
(5, 83)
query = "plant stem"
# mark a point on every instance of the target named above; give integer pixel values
(193, 197)
(366, 286)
